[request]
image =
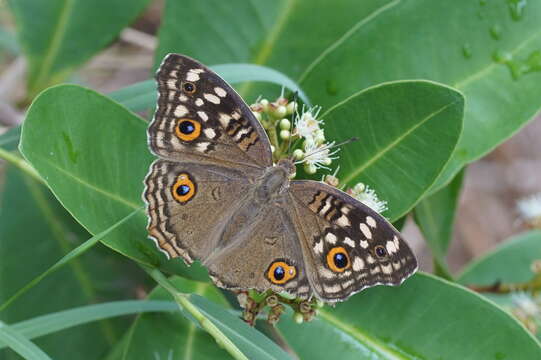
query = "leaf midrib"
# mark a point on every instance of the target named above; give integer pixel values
(91, 186)
(354, 173)
(371, 342)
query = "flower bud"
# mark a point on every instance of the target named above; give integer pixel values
(298, 318)
(298, 154)
(285, 134)
(285, 124)
(310, 168)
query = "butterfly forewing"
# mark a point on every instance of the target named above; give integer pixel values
(199, 116)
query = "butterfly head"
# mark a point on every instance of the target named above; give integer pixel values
(288, 165)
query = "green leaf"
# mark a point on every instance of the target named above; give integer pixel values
(407, 131)
(173, 336)
(31, 239)
(143, 95)
(508, 263)
(94, 158)
(20, 344)
(435, 216)
(67, 34)
(54, 322)
(478, 47)
(425, 318)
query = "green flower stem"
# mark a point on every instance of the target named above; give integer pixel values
(183, 301)
(21, 164)
(533, 286)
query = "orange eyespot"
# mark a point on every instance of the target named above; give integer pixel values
(183, 189)
(188, 129)
(338, 259)
(188, 87)
(280, 272)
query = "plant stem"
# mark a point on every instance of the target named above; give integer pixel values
(183, 301)
(533, 286)
(21, 164)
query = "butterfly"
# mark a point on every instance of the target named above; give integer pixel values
(214, 195)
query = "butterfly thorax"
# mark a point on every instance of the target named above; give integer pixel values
(274, 181)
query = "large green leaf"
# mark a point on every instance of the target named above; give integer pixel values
(59, 35)
(93, 154)
(425, 318)
(20, 344)
(508, 263)
(407, 131)
(351, 45)
(435, 216)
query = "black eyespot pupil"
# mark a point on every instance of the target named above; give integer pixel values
(279, 273)
(183, 190)
(380, 251)
(189, 87)
(340, 260)
(186, 127)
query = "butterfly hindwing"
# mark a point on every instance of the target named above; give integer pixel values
(351, 246)
(199, 116)
(178, 197)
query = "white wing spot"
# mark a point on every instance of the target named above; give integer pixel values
(197, 71)
(224, 120)
(391, 248)
(203, 115)
(202, 146)
(366, 231)
(210, 133)
(212, 98)
(349, 242)
(199, 102)
(358, 264)
(387, 269)
(235, 115)
(318, 248)
(370, 259)
(172, 84)
(220, 92)
(370, 221)
(364, 244)
(192, 76)
(183, 98)
(330, 237)
(180, 111)
(332, 289)
(343, 221)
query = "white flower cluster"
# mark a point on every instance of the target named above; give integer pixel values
(316, 152)
(368, 196)
(527, 309)
(530, 209)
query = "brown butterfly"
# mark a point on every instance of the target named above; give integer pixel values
(215, 195)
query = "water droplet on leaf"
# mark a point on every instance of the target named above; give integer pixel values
(466, 51)
(516, 8)
(496, 32)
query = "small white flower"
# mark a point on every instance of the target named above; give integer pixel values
(318, 155)
(368, 196)
(530, 207)
(525, 304)
(306, 124)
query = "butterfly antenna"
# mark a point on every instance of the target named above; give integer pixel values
(328, 147)
(295, 98)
